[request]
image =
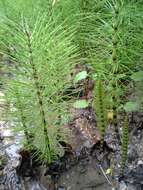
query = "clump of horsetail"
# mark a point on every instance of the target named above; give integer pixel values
(100, 108)
(125, 141)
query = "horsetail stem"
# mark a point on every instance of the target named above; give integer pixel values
(100, 108)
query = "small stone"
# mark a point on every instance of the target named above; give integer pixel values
(61, 188)
(15, 163)
(140, 162)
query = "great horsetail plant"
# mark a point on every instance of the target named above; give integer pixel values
(115, 64)
(113, 54)
(116, 43)
(42, 54)
(125, 141)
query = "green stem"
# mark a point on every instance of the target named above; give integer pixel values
(115, 69)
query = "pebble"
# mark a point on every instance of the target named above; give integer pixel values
(61, 188)
(140, 162)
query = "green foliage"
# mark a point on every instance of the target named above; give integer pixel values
(131, 106)
(43, 55)
(16, 98)
(136, 103)
(117, 43)
(137, 77)
(125, 141)
(116, 47)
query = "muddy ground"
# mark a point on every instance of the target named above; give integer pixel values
(84, 166)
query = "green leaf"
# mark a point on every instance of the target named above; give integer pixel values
(79, 104)
(131, 106)
(138, 76)
(80, 76)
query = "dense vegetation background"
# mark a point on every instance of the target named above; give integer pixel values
(41, 44)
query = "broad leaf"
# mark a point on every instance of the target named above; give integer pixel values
(80, 76)
(79, 104)
(131, 106)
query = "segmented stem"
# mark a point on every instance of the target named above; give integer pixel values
(100, 108)
(115, 69)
